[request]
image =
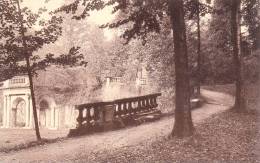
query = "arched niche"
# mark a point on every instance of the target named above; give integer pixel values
(47, 112)
(18, 113)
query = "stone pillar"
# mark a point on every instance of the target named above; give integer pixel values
(52, 117)
(107, 81)
(56, 115)
(48, 118)
(38, 115)
(27, 113)
(31, 122)
(4, 111)
(107, 117)
(8, 111)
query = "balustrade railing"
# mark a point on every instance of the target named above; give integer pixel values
(93, 112)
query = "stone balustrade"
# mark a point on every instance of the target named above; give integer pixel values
(104, 113)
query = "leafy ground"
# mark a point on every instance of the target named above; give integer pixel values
(225, 137)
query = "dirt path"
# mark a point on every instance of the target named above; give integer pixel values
(146, 133)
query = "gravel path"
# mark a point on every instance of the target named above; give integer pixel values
(148, 133)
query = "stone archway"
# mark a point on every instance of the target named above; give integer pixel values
(44, 114)
(47, 113)
(18, 114)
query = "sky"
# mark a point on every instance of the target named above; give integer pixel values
(34, 5)
(96, 17)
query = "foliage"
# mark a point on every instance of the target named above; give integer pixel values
(252, 67)
(141, 16)
(251, 17)
(141, 20)
(11, 47)
(218, 66)
(19, 40)
(144, 16)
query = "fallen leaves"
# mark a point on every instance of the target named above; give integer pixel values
(228, 136)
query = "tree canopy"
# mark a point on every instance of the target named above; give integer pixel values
(38, 32)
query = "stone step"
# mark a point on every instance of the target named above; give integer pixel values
(148, 117)
(155, 111)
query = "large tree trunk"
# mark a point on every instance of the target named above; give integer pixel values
(238, 65)
(183, 125)
(237, 56)
(27, 58)
(198, 48)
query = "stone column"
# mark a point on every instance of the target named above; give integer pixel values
(31, 123)
(8, 111)
(107, 81)
(38, 115)
(52, 117)
(56, 117)
(4, 111)
(27, 112)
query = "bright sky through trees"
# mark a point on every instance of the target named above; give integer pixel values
(97, 17)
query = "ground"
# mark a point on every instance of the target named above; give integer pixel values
(216, 140)
(19, 138)
(116, 144)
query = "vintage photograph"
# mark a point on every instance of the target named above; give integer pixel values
(130, 81)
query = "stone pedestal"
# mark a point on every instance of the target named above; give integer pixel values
(107, 117)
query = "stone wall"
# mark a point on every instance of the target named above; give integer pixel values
(67, 116)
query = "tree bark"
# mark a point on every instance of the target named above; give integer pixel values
(237, 58)
(28, 67)
(183, 125)
(199, 49)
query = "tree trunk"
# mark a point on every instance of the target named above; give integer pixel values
(237, 58)
(183, 125)
(27, 58)
(198, 50)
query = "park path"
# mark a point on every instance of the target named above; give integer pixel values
(145, 133)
